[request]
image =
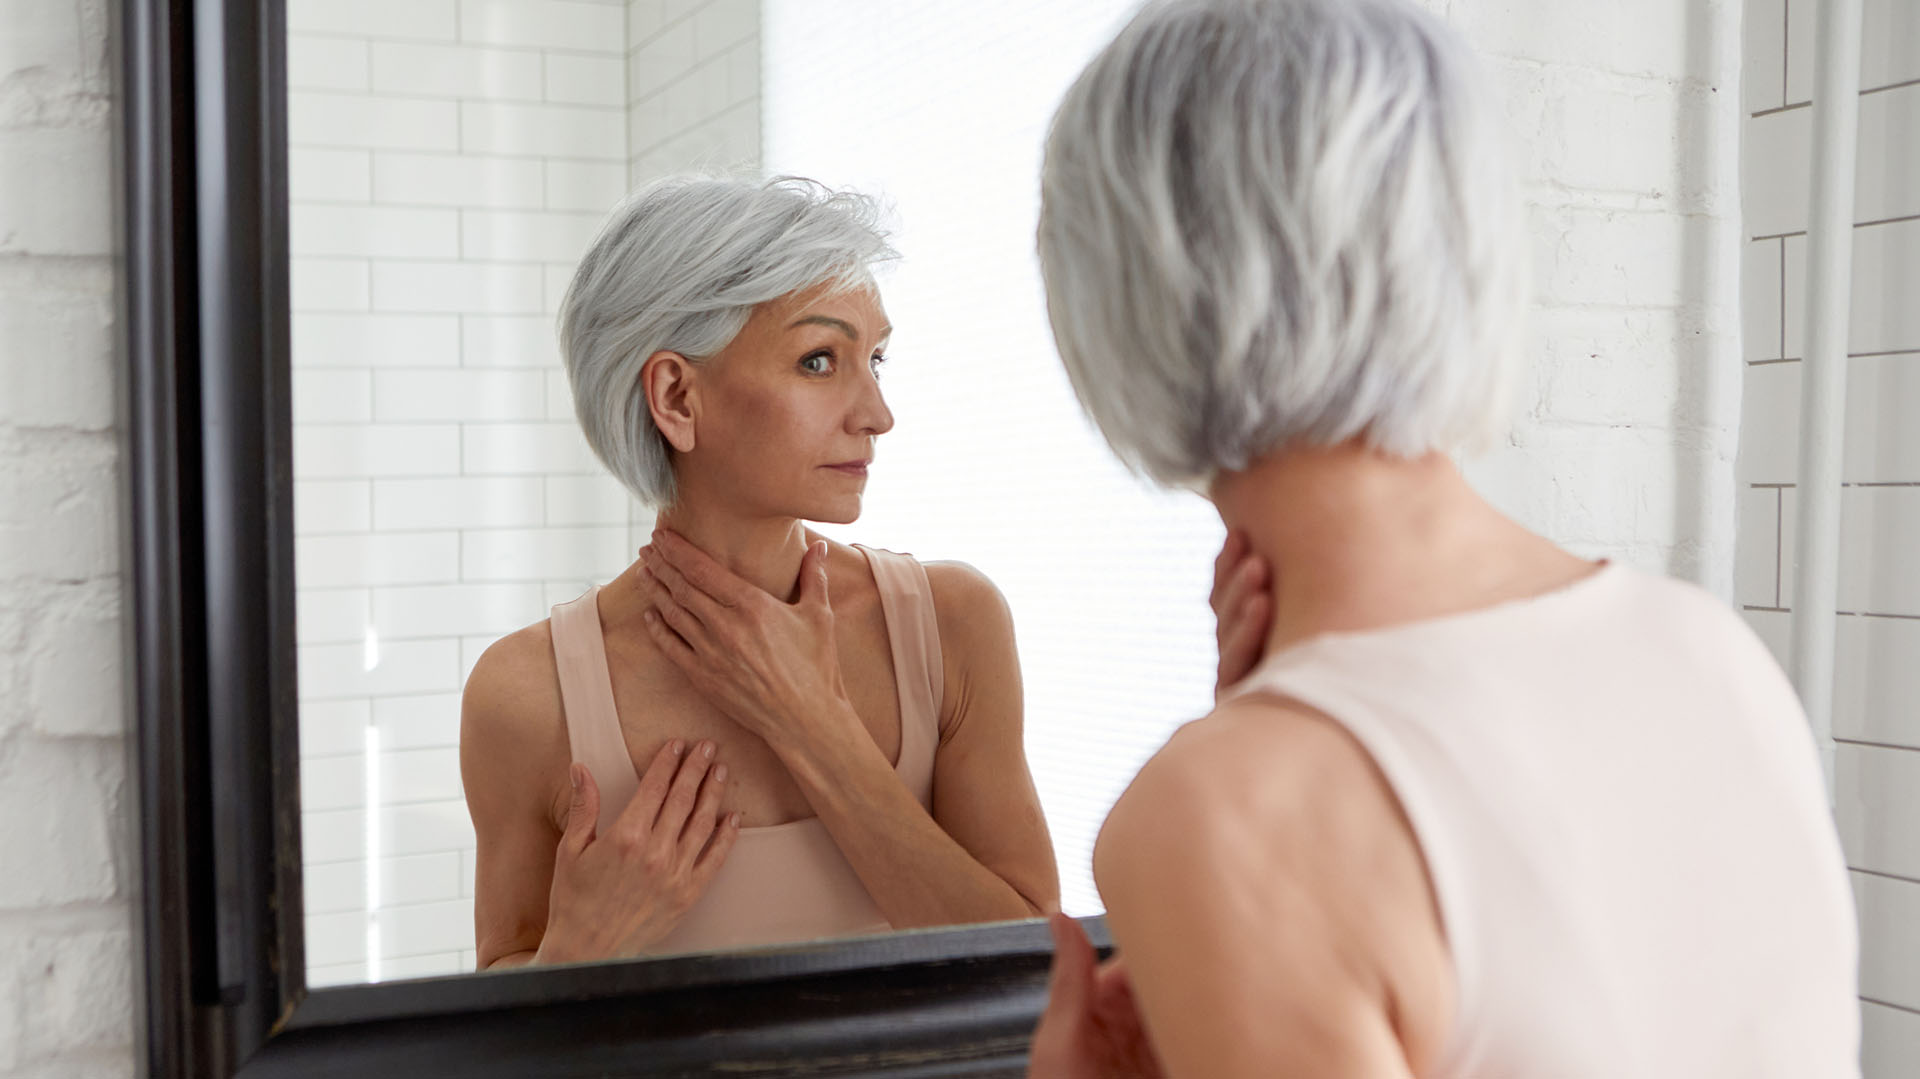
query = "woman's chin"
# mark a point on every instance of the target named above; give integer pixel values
(839, 510)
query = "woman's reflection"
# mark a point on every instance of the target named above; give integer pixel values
(753, 734)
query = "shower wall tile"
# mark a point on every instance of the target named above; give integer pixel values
(1756, 570)
(416, 775)
(1762, 331)
(1889, 940)
(509, 341)
(374, 560)
(321, 340)
(1879, 531)
(356, 670)
(365, 120)
(1877, 808)
(1876, 681)
(527, 236)
(1776, 172)
(527, 449)
(1769, 423)
(1888, 168)
(457, 396)
(455, 287)
(327, 63)
(1882, 444)
(425, 928)
(456, 71)
(322, 506)
(331, 616)
(1889, 1039)
(401, 613)
(332, 395)
(1763, 74)
(566, 131)
(374, 231)
(586, 80)
(333, 728)
(420, 720)
(334, 284)
(329, 175)
(590, 186)
(545, 24)
(594, 553)
(372, 18)
(321, 451)
(586, 500)
(458, 180)
(457, 502)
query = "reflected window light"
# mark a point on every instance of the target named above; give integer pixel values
(373, 836)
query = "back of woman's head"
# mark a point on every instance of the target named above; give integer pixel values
(678, 267)
(1271, 223)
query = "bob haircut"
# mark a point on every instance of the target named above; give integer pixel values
(679, 267)
(1272, 223)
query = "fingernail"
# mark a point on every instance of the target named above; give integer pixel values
(573, 775)
(706, 750)
(733, 821)
(676, 745)
(720, 773)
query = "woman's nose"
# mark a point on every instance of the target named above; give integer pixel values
(870, 413)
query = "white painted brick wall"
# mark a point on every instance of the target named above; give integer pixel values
(67, 944)
(1877, 760)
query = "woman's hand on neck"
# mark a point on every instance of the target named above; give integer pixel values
(764, 551)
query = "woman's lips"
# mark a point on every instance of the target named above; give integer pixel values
(851, 468)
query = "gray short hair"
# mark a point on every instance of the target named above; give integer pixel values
(679, 267)
(1282, 222)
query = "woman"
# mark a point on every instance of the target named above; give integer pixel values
(1482, 808)
(752, 735)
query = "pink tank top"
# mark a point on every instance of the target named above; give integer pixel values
(1622, 814)
(785, 882)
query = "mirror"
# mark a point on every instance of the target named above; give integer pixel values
(448, 165)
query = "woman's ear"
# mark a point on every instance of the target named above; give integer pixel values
(667, 380)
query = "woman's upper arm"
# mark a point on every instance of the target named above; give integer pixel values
(983, 792)
(509, 756)
(1272, 907)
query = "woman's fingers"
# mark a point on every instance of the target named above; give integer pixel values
(636, 821)
(583, 812)
(698, 570)
(706, 814)
(1072, 973)
(679, 593)
(683, 794)
(721, 842)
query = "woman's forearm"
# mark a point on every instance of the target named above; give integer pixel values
(917, 873)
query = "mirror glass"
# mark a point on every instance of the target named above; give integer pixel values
(450, 160)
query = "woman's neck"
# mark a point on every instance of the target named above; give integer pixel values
(1356, 539)
(764, 551)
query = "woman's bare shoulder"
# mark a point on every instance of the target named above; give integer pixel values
(511, 718)
(966, 600)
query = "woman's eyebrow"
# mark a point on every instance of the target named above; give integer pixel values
(839, 324)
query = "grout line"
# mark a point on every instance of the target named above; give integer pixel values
(1780, 236)
(1890, 86)
(1876, 745)
(1766, 610)
(1889, 1004)
(1887, 876)
(1779, 538)
(1782, 353)
(1780, 109)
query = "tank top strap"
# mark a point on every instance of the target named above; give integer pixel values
(586, 695)
(913, 631)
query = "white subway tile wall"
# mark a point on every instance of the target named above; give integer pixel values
(450, 161)
(1877, 763)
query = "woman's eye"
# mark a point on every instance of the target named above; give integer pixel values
(879, 358)
(819, 363)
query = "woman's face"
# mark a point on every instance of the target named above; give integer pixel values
(785, 417)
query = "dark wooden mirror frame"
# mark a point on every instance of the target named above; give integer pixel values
(210, 502)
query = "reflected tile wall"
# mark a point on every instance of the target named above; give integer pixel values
(449, 162)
